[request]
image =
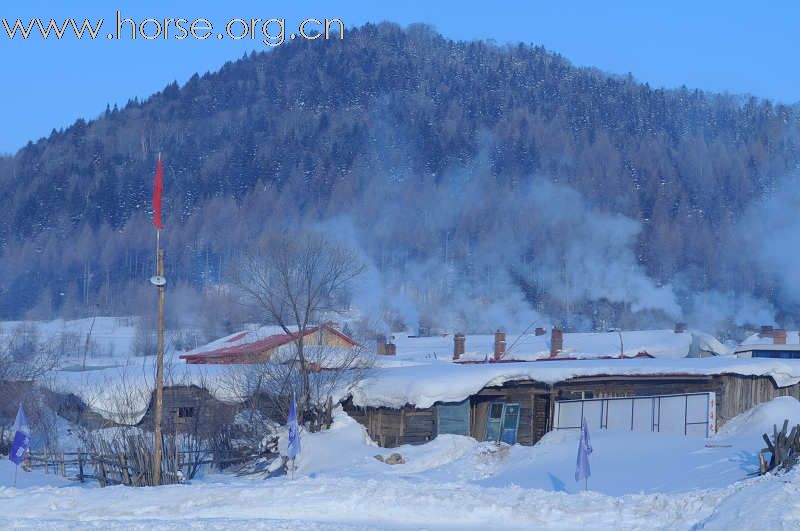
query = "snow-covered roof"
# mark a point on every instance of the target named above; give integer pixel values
(441, 381)
(248, 343)
(122, 394)
(242, 337)
(581, 345)
(792, 340)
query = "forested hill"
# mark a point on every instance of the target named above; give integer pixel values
(436, 157)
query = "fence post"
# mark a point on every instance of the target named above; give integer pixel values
(63, 466)
(101, 472)
(123, 463)
(80, 466)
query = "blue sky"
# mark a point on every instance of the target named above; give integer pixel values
(734, 46)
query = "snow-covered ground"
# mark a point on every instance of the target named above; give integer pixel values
(453, 482)
(110, 338)
(639, 480)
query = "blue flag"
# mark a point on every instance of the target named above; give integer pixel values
(582, 470)
(294, 432)
(22, 438)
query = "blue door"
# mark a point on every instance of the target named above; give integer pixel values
(502, 422)
(494, 423)
(510, 423)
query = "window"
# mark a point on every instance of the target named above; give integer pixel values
(496, 410)
(185, 412)
(781, 354)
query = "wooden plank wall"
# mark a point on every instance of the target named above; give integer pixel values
(736, 394)
(208, 413)
(394, 427)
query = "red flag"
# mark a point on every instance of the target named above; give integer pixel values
(158, 188)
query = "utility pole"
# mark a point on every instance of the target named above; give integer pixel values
(160, 282)
(159, 368)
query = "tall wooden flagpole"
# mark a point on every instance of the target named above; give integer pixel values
(160, 282)
(159, 372)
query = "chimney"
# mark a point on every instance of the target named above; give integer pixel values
(540, 331)
(459, 341)
(556, 342)
(680, 328)
(499, 344)
(766, 331)
(381, 345)
(390, 349)
(779, 336)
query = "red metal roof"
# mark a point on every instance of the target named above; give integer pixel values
(237, 337)
(245, 351)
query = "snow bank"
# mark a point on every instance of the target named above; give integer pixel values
(451, 482)
(761, 419)
(35, 478)
(439, 381)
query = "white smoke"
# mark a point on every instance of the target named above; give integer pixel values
(714, 310)
(590, 256)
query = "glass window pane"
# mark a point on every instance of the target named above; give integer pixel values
(496, 411)
(511, 417)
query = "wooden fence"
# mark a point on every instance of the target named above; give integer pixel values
(119, 469)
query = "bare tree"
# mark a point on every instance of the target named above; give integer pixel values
(265, 387)
(293, 281)
(24, 356)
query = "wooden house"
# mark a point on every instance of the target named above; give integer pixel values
(520, 410)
